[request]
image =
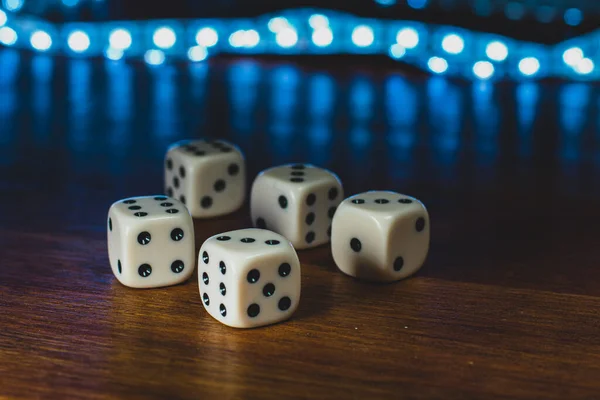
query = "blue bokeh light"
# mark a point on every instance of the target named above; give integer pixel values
(483, 69)
(252, 38)
(362, 99)
(417, 4)
(363, 36)
(400, 102)
(207, 37)
(397, 51)
(527, 96)
(120, 39)
(529, 66)
(486, 114)
(277, 24)
(42, 66)
(3, 18)
(154, 57)
(322, 96)
(317, 21)
(573, 99)
(572, 56)
(322, 37)
(386, 3)
(408, 38)
(453, 44)
(119, 102)
(573, 16)
(8, 36)
(164, 106)
(237, 39)
(164, 38)
(40, 40)
(244, 77)
(197, 53)
(79, 110)
(437, 65)
(286, 37)
(113, 54)
(11, 63)
(446, 124)
(78, 41)
(496, 50)
(284, 84)
(585, 66)
(10, 95)
(244, 38)
(13, 5)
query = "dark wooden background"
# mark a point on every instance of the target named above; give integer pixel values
(506, 306)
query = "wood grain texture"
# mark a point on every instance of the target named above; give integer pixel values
(506, 306)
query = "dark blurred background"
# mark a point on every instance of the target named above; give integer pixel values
(68, 123)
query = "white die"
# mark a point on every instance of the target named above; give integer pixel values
(297, 201)
(150, 241)
(380, 236)
(209, 177)
(249, 278)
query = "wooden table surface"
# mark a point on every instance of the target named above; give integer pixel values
(507, 304)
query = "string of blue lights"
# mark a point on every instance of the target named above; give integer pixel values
(442, 50)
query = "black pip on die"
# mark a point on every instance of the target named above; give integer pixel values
(298, 201)
(380, 236)
(249, 278)
(209, 177)
(150, 241)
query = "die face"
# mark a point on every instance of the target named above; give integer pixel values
(249, 278)
(384, 204)
(216, 281)
(209, 177)
(380, 236)
(317, 206)
(275, 207)
(297, 201)
(217, 191)
(151, 243)
(408, 243)
(358, 243)
(269, 291)
(114, 244)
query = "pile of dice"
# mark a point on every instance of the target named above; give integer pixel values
(251, 277)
